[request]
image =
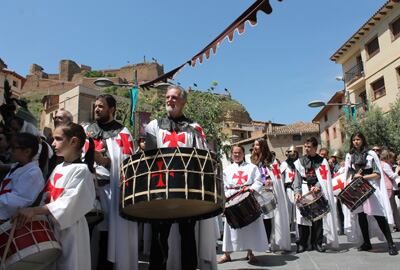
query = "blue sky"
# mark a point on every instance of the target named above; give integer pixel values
(274, 69)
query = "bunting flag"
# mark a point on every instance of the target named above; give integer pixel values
(237, 25)
(134, 97)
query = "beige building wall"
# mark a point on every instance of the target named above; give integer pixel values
(385, 63)
(330, 129)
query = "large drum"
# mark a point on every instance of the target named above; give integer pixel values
(313, 206)
(33, 246)
(356, 193)
(242, 209)
(171, 184)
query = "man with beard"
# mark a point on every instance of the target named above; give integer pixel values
(113, 143)
(173, 131)
(288, 171)
(314, 175)
(62, 117)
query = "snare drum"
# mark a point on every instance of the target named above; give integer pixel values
(171, 184)
(242, 209)
(33, 246)
(313, 206)
(356, 193)
(267, 201)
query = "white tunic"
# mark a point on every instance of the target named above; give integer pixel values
(330, 220)
(206, 231)
(70, 195)
(20, 188)
(281, 232)
(289, 175)
(376, 205)
(252, 236)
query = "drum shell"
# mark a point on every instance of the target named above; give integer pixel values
(171, 184)
(267, 201)
(356, 193)
(243, 211)
(33, 247)
(315, 208)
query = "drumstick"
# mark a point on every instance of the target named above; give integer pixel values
(10, 238)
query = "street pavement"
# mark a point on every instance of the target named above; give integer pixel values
(347, 258)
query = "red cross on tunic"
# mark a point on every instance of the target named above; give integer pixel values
(323, 171)
(98, 145)
(340, 185)
(291, 175)
(3, 189)
(125, 143)
(160, 183)
(276, 171)
(54, 192)
(240, 176)
(174, 138)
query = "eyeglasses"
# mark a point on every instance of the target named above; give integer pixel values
(376, 150)
(57, 118)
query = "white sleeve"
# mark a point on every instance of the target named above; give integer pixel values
(76, 200)
(25, 190)
(389, 172)
(257, 184)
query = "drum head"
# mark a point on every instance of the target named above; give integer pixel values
(37, 261)
(163, 210)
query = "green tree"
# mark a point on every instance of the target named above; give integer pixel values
(379, 128)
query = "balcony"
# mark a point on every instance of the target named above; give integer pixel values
(354, 73)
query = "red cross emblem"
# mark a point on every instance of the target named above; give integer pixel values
(3, 189)
(174, 138)
(54, 192)
(160, 183)
(240, 176)
(276, 171)
(125, 143)
(340, 185)
(291, 175)
(98, 145)
(323, 171)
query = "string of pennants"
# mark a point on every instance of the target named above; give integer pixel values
(238, 25)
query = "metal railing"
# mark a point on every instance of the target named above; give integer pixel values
(354, 73)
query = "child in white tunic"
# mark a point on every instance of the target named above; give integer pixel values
(70, 195)
(242, 176)
(24, 181)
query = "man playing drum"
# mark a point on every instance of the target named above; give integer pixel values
(173, 131)
(238, 177)
(313, 175)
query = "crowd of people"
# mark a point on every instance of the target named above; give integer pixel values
(64, 176)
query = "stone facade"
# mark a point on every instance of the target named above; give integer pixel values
(15, 81)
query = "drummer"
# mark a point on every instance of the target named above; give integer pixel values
(276, 222)
(362, 162)
(313, 175)
(238, 176)
(173, 131)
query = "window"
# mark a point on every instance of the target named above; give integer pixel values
(378, 88)
(334, 133)
(14, 83)
(372, 47)
(296, 137)
(326, 118)
(395, 28)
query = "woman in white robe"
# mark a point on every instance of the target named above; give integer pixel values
(359, 224)
(276, 222)
(239, 176)
(70, 195)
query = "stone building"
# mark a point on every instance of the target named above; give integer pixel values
(280, 138)
(15, 81)
(370, 58)
(329, 120)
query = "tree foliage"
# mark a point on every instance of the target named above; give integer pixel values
(379, 128)
(97, 74)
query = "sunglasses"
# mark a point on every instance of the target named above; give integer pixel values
(376, 149)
